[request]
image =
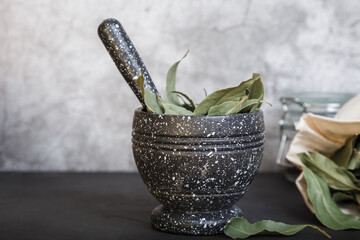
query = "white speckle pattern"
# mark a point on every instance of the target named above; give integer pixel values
(197, 166)
(125, 56)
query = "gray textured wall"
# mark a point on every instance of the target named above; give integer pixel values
(65, 107)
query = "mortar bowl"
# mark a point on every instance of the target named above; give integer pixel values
(197, 167)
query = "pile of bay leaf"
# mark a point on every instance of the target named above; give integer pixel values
(333, 189)
(244, 98)
(333, 185)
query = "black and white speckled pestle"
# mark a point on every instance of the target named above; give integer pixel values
(124, 55)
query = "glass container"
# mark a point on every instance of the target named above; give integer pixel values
(293, 107)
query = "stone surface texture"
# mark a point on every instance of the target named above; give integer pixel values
(65, 107)
(197, 167)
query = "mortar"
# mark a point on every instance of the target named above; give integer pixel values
(197, 167)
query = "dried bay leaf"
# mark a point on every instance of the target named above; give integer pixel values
(140, 82)
(328, 171)
(343, 155)
(205, 92)
(256, 90)
(251, 105)
(152, 102)
(240, 228)
(192, 104)
(225, 95)
(226, 108)
(238, 92)
(348, 202)
(173, 109)
(211, 100)
(248, 105)
(350, 174)
(354, 162)
(247, 97)
(171, 81)
(257, 105)
(325, 207)
(342, 197)
(150, 98)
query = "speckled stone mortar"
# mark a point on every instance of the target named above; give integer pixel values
(197, 167)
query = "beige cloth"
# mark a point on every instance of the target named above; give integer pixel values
(323, 135)
(350, 110)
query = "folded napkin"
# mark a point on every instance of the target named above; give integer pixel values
(323, 135)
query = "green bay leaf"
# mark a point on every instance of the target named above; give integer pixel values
(256, 90)
(351, 175)
(171, 82)
(328, 171)
(173, 109)
(205, 92)
(240, 228)
(211, 100)
(239, 91)
(225, 95)
(343, 155)
(248, 105)
(257, 105)
(151, 99)
(354, 162)
(140, 82)
(339, 197)
(325, 208)
(223, 108)
(226, 108)
(152, 102)
(191, 107)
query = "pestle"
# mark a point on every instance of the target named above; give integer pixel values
(125, 56)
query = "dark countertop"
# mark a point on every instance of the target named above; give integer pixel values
(118, 206)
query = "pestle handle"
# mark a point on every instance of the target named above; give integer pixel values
(125, 56)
